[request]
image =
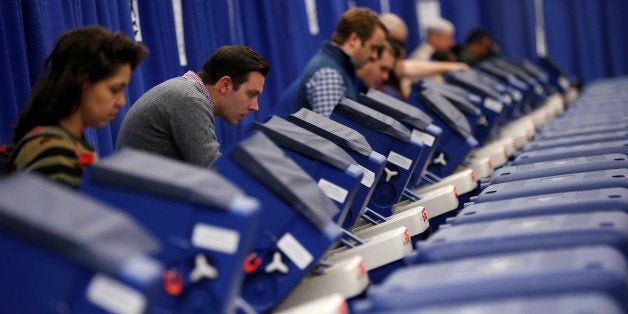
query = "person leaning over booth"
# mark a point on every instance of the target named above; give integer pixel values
(375, 74)
(176, 118)
(406, 71)
(330, 75)
(82, 85)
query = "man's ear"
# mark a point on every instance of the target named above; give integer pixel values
(354, 40)
(225, 84)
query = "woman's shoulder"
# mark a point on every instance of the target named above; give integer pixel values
(49, 140)
(53, 152)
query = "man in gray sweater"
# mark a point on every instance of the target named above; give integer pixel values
(176, 118)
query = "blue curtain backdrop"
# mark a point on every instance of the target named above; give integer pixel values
(586, 38)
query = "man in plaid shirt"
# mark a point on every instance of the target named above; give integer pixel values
(330, 74)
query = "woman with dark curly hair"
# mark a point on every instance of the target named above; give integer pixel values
(82, 85)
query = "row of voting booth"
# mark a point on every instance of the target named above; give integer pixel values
(499, 190)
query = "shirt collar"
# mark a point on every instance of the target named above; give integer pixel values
(193, 77)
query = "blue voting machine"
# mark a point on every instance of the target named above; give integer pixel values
(62, 251)
(552, 184)
(525, 233)
(603, 199)
(207, 224)
(557, 167)
(336, 173)
(297, 225)
(392, 139)
(355, 144)
(529, 274)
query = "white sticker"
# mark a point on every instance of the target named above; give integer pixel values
(517, 95)
(114, 296)
(368, 178)
(493, 105)
(557, 179)
(561, 162)
(178, 30)
(424, 137)
(399, 160)
(507, 99)
(563, 82)
(544, 199)
(312, 17)
(135, 21)
(298, 254)
(215, 238)
(530, 224)
(333, 191)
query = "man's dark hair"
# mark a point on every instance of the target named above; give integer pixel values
(362, 21)
(476, 36)
(398, 47)
(233, 61)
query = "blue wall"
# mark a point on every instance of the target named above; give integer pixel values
(586, 38)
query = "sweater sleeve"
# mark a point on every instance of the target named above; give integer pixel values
(192, 124)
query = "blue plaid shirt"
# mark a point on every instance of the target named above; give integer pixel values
(324, 89)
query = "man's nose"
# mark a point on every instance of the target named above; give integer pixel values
(254, 105)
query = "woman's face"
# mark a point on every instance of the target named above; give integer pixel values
(101, 101)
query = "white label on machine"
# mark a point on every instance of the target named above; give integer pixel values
(561, 162)
(563, 82)
(517, 95)
(507, 99)
(215, 238)
(545, 199)
(368, 178)
(557, 179)
(530, 224)
(333, 191)
(296, 252)
(493, 105)
(424, 137)
(399, 160)
(114, 296)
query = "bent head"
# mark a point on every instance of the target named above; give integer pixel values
(238, 103)
(362, 34)
(376, 73)
(440, 34)
(101, 101)
(236, 75)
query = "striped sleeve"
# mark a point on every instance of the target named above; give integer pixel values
(52, 156)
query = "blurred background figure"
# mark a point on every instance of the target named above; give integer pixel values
(331, 74)
(477, 47)
(376, 74)
(439, 37)
(407, 71)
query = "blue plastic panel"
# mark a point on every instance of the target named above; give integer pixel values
(525, 233)
(609, 199)
(525, 274)
(552, 184)
(559, 167)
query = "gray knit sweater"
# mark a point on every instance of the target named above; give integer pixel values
(173, 119)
